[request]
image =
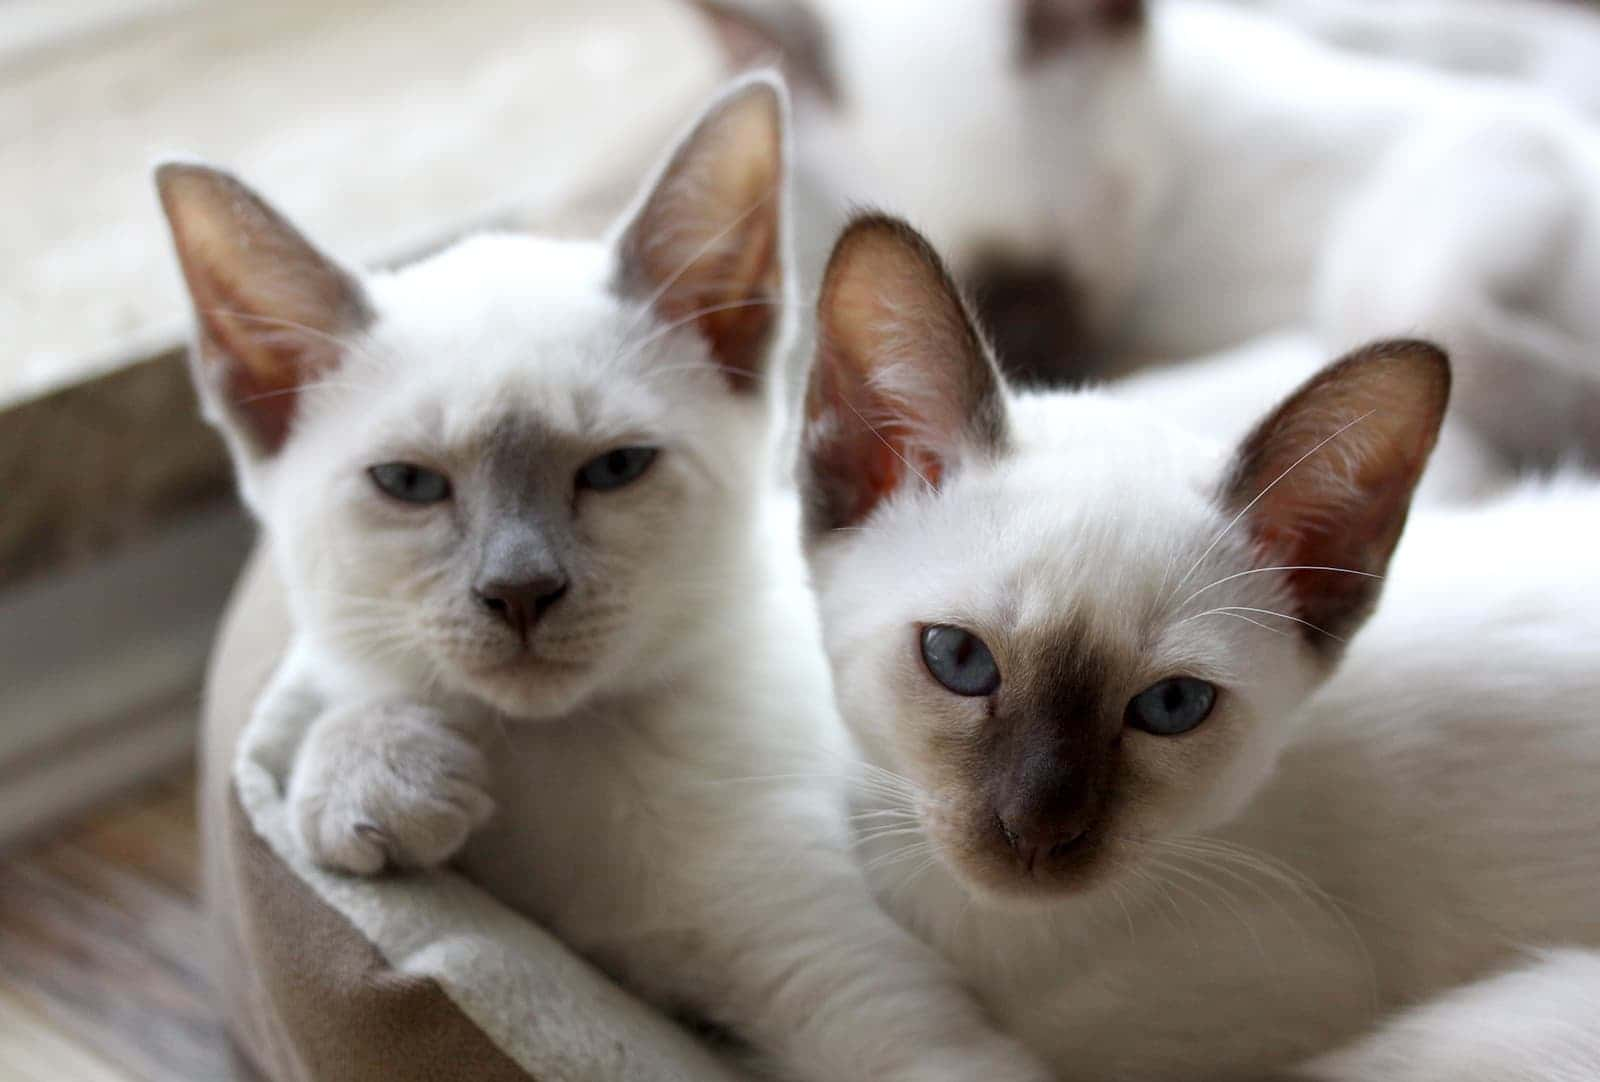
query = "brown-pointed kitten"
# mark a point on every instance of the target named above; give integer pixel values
(1175, 795)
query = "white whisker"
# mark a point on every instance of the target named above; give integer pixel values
(1265, 570)
(1246, 509)
(1234, 609)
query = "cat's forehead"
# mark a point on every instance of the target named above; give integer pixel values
(1093, 511)
(502, 331)
(490, 299)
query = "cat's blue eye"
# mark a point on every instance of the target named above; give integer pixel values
(616, 468)
(411, 483)
(1173, 706)
(959, 660)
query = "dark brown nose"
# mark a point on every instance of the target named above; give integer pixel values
(1050, 840)
(1033, 315)
(520, 603)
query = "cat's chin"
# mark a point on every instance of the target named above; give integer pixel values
(532, 688)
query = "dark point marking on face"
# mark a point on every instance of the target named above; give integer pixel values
(1034, 314)
(1053, 751)
(526, 537)
(1051, 26)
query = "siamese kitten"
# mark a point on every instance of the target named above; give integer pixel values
(1174, 793)
(518, 495)
(1189, 175)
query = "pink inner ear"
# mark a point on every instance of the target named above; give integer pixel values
(1327, 479)
(706, 248)
(270, 308)
(1360, 537)
(731, 295)
(267, 331)
(902, 382)
(259, 370)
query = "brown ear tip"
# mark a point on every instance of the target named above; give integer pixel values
(175, 172)
(178, 181)
(171, 178)
(1411, 358)
(1424, 361)
(874, 227)
(874, 223)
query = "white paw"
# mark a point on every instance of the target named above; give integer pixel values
(386, 784)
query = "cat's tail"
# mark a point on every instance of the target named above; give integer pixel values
(1536, 1023)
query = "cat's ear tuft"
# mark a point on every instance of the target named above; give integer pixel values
(270, 309)
(782, 33)
(1326, 480)
(1050, 27)
(706, 247)
(903, 385)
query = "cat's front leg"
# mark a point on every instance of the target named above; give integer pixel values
(391, 783)
(843, 994)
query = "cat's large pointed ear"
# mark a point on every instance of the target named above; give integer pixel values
(1325, 482)
(707, 245)
(270, 309)
(903, 385)
(782, 33)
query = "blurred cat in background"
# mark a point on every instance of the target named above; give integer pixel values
(1164, 180)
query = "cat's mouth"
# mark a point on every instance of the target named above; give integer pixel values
(528, 661)
(531, 687)
(525, 682)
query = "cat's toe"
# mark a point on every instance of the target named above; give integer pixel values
(390, 786)
(431, 831)
(338, 839)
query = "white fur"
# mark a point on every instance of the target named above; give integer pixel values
(1329, 851)
(1539, 1022)
(1550, 43)
(663, 754)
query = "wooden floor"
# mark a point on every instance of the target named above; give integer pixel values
(102, 951)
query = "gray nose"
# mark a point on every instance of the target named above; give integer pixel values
(521, 602)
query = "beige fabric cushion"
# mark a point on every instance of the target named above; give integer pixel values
(402, 978)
